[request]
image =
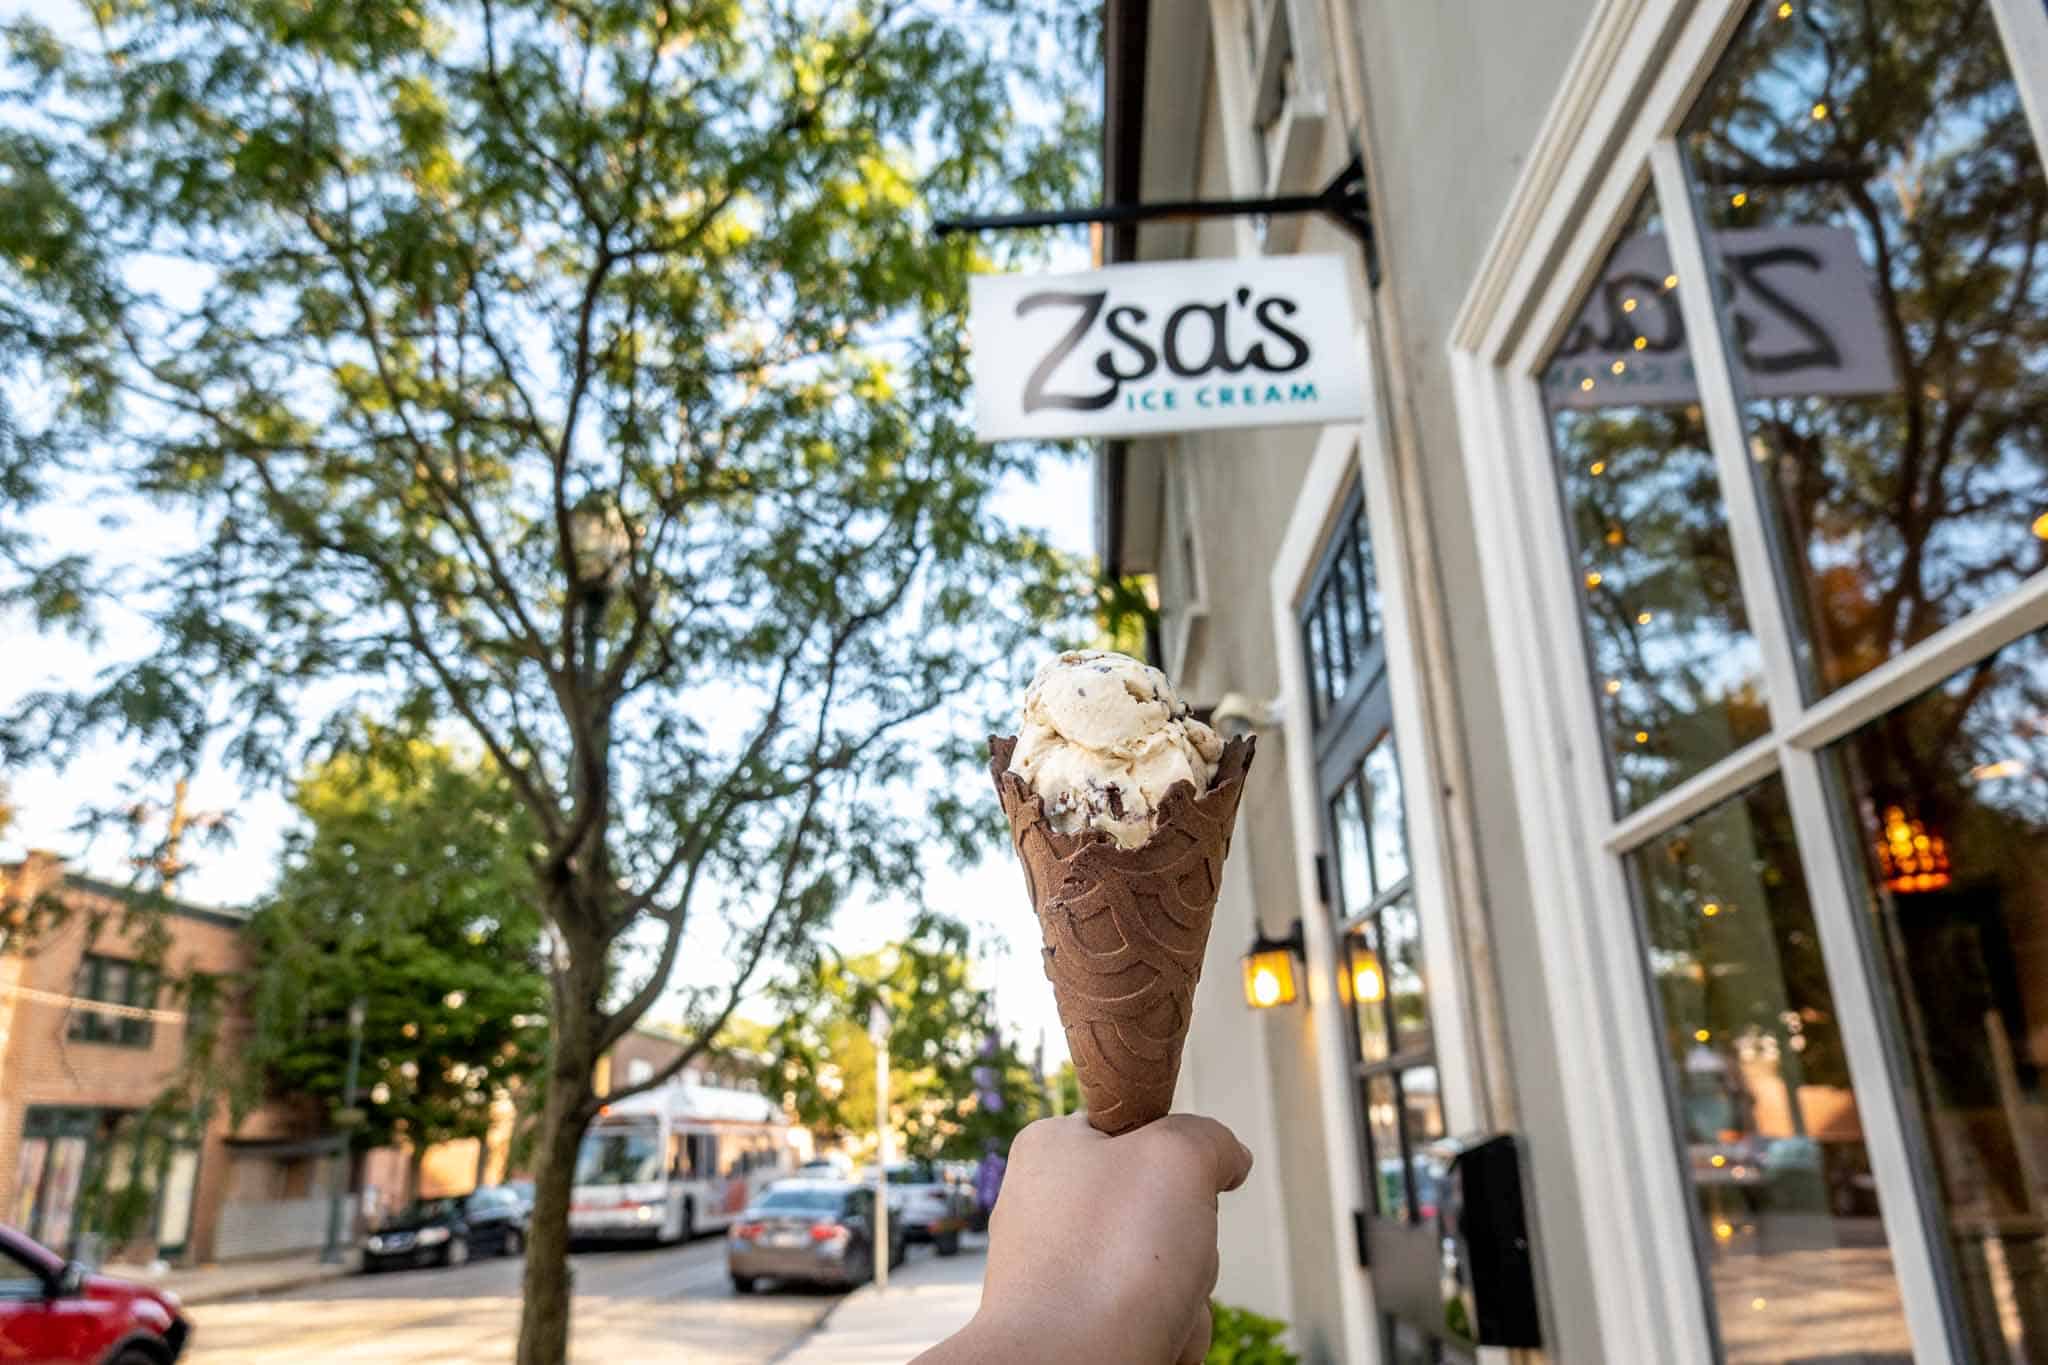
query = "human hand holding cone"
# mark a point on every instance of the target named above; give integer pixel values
(1121, 809)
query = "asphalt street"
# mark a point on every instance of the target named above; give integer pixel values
(631, 1305)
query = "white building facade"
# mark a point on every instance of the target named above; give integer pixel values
(1657, 757)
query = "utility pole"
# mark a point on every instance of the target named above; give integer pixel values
(878, 1031)
(346, 1120)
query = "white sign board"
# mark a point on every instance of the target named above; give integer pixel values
(1137, 350)
(1803, 319)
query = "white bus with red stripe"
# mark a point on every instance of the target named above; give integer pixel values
(665, 1165)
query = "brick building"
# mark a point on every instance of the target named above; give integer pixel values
(644, 1051)
(98, 1154)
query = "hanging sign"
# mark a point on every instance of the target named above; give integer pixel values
(1802, 318)
(1139, 350)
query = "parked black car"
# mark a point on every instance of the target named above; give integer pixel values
(490, 1222)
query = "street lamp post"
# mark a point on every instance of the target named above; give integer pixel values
(878, 1030)
(346, 1120)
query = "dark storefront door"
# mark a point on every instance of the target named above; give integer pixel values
(1369, 893)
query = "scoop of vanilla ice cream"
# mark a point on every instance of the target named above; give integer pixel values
(1103, 739)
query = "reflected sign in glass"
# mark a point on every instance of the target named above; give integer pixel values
(1803, 318)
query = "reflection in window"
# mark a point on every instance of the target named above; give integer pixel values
(1896, 376)
(1354, 874)
(1342, 617)
(1401, 944)
(1383, 1132)
(1389, 831)
(1677, 669)
(1384, 982)
(1785, 1205)
(1366, 978)
(1957, 782)
(1422, 1121)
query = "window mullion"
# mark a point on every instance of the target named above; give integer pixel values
(1907, 1229)
(1741, 492)
(2023, 24)
(1912, 1224)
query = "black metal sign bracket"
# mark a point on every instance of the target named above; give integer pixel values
(1344, 200)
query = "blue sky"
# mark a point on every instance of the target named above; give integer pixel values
(119, 528)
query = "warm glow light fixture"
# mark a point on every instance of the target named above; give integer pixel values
(1910, 857)
(1269, 969)
(1368, 981)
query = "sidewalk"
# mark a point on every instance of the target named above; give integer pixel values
(213, 1283)
(928, 1299)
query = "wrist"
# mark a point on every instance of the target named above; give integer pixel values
(1050, 1332)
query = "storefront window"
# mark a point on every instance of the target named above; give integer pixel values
(1678, 670)
(1949, 803)
(1783, 1200)
(1866, 173)
(1370, 890)
(1871, 279)
(1341, 620)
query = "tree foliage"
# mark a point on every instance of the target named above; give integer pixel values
(585, 372)
(409, 890)
(946, 1057)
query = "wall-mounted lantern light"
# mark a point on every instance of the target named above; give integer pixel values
(1269, 978)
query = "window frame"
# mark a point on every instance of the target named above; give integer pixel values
(1280, 153)
(88, 1025)
(1614, 135)
(1357, 461)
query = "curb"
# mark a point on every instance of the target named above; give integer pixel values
(803, 1342)
(200, 1296)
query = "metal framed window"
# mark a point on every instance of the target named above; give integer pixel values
(1781, 800)
(1341, 633)
(1368, 891)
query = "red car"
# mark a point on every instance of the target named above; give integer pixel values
(56, 1312)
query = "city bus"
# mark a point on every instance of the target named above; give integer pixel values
(675, 1161)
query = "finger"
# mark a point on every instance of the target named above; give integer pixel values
(1196, 1348)
(1230, 1160)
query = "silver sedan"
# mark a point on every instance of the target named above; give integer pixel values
(819, 1231)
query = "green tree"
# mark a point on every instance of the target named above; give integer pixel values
(410, 891)
(586, 372)
(945, 1056)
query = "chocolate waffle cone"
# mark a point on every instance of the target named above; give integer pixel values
(1125, 930)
